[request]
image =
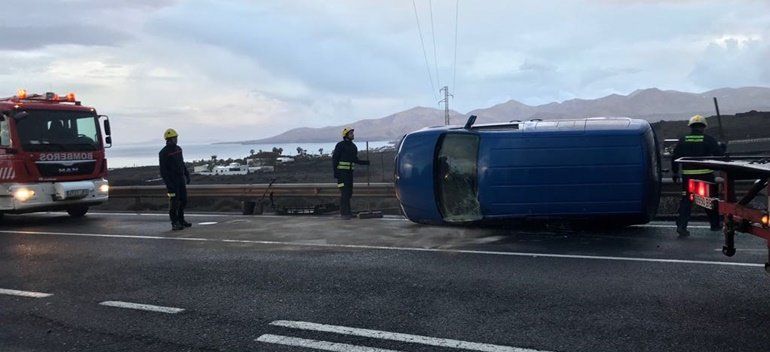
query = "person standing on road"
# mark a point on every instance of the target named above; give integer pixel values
(176, 177)
(344, 157)
(695, 144)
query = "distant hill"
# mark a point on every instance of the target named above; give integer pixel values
(651, 104)
(388, 128)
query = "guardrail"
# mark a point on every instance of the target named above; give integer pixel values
(252, 191)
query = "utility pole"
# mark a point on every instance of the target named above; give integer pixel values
(445, 90)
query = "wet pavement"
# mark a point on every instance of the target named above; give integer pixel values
(122, 282)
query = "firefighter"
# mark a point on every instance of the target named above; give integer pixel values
(694, 144)
(176, 177)
(344, 157)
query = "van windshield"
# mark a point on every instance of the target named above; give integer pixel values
(58, 131)
(457, 177)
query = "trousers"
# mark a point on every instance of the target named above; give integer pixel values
(345, 184)
(177, 203)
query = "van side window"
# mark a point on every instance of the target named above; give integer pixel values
(457, 177)
(5, 133)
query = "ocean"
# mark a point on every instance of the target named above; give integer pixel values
(147, 155)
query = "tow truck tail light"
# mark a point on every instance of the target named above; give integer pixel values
(765, 220)
(703, 189)
(691, 186)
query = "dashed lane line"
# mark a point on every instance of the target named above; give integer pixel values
(140, 306)
(402, 249)
(400, 337)
(31, 294)
(316, 344)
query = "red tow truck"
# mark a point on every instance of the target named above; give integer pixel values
(51, 154)
(740, 214)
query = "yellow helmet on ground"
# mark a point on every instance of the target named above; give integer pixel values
(697, 119)
(346, 130)
(170, 133)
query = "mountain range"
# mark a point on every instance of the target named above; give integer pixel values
(650, 104)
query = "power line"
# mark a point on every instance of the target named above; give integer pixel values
(454, 65)
(424, 52)
(433, 35)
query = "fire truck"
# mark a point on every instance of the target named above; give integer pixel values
(51, 154)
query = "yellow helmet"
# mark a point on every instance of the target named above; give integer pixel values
(346, 130)
(697, 119)
(170, 133)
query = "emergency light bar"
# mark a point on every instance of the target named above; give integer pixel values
(21, 94)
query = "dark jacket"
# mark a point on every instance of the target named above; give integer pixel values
(172, 168)
(694, 145)
(344, 156)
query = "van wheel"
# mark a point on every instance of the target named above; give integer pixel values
(77, 212)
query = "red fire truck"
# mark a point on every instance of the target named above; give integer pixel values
(51, 154)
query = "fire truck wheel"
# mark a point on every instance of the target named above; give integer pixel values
(77, 212)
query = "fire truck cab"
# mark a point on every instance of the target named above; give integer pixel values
(51, 154)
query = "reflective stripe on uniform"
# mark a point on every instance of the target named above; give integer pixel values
(697, 172)
(693, 138)
(171, 195)
(340, 185)
(345, 165)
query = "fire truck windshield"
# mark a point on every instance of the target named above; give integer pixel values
(58, 131)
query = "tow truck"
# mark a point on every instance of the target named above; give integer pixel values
(739, 214)
(52, 154)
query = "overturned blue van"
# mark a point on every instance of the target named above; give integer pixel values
(595, 169)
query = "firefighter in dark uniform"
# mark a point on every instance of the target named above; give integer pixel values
(694, 144)
(176, 177)
(344, 157)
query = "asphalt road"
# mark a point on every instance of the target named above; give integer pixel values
(124, 282)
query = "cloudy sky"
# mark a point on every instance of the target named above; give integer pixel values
(231, 70)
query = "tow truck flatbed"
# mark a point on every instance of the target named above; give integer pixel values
(739, 214)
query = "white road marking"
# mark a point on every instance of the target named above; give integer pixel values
(139, 306)
(753, 250)
(31, 294)
(316, 344)
(208, 223)
(404, 249)
(158, 214)
(394, 336)
(672, 226)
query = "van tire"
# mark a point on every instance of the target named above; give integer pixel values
(77, 212)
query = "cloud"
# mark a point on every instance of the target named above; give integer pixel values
(32, 37)
(250, 69)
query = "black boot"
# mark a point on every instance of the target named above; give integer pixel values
(185, 223)
(175, 226)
